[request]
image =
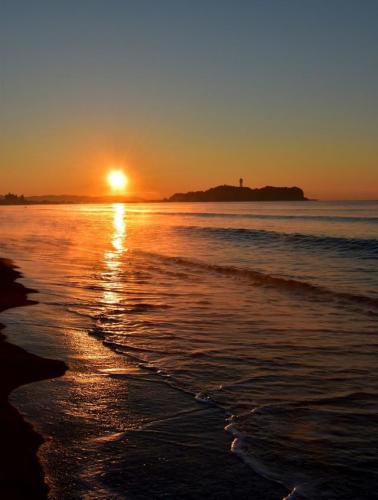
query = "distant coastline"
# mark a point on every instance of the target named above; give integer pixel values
(65, 199)
(223, 193)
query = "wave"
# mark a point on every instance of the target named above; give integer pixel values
(240, 449)
(364, 247)
(360, 399)
(259, 278)
(237, 445)
(212, 215)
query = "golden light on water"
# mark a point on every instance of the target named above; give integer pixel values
(119, 227)
(117, 180)
(112, 257)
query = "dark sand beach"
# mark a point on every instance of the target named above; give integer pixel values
(21, 475)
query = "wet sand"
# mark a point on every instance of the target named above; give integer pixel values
(21, 475)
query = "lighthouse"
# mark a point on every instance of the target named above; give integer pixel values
(241, 182)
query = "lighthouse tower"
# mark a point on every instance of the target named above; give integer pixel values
(241, 182)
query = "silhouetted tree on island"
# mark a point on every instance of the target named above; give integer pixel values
(12, 199)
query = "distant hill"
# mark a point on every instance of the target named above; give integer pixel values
(234, 193)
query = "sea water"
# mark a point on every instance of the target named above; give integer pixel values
(226, 350)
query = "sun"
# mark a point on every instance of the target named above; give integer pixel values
(117, 180)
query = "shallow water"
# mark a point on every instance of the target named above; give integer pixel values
(250, 328)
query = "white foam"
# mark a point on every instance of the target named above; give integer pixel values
(240, 448)
(203, 398)
(292, 495)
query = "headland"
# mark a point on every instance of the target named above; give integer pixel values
(240, 193)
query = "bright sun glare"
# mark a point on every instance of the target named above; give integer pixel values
(117, 180)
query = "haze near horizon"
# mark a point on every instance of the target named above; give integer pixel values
(188, 95)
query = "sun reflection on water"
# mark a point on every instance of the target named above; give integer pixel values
(113, 258)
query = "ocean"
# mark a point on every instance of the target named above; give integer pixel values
(218, 350)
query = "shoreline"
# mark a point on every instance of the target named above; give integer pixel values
(134, 434)
(21, 475)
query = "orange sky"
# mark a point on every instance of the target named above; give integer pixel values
(187, 100)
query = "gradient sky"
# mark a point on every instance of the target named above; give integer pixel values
(188, 94)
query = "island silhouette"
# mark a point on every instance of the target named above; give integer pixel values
(240, 193)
